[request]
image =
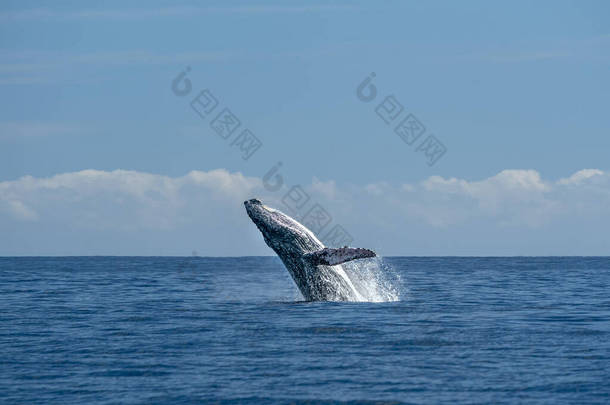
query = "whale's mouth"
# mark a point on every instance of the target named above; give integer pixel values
(256, 211)
(255, 203)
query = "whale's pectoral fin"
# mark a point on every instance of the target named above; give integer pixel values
(330, 256)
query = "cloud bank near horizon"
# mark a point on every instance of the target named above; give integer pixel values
(129, 212)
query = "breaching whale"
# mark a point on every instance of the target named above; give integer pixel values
(315, 269)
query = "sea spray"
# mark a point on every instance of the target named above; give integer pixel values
(375, 280)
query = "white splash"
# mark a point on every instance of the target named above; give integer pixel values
(374, 279)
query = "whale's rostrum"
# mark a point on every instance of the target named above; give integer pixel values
(315, 269)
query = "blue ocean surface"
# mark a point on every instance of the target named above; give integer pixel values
(153, 330)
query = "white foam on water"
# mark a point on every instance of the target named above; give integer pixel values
(374, 279)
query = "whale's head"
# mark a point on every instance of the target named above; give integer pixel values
(282, 233)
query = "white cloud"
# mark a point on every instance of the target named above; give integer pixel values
(580, 176)
(123, 199)
(326, 188)
(205, 208)
(19, 210)
(511, 197)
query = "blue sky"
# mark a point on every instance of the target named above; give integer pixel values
(517, 93)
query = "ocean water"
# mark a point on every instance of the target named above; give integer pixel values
(151, 330)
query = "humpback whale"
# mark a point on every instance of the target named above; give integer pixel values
(315, 269)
